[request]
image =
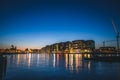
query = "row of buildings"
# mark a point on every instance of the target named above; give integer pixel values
(76, 46)
(19, 51)
(13, 49)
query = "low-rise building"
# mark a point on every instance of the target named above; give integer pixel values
(107, 49)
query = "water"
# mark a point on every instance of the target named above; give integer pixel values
(57, 67)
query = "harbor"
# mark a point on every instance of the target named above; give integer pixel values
(57, 67)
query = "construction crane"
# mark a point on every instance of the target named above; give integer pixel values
(104, 42)
(117, 35)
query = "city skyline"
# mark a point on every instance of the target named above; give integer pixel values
(35, 24)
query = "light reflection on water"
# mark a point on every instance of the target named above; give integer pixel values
(63, 66)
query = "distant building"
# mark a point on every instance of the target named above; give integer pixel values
(2, 50)
(34, 50)
(107, 49)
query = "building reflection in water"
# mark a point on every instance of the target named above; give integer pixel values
(46, 65)
(22, 60)
(29, 60)
(66, 61)
(74, 62)
(18, 58)
(38, 56)
(70, 65)
(54, 60)
(3, 65)
(70, 62)
(58, 59)
(77, 61)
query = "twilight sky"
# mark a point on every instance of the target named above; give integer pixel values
(36, 23)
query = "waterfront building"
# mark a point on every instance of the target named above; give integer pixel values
(2, 50)
(34, 50)
(42, 50)
(60, 47)
(107, 49)
(67, 47)
(54, 48)
(47, 49)
(76, 46)
(81, 46)
(90, 45)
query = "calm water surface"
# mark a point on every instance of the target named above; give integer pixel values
(58, 67)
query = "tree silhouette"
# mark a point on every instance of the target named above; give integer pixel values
(26, 50)
(12, 47)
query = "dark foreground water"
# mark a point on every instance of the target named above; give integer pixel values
(57, 67)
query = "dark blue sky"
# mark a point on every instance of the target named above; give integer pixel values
(35, 23)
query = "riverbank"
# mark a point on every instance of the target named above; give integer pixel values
(86, 56)
(111, 57)
(12, 53)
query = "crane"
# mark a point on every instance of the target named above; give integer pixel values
(117, 34)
